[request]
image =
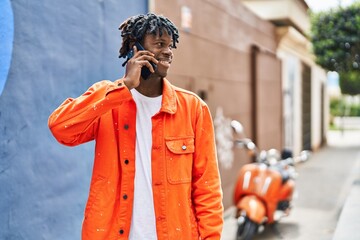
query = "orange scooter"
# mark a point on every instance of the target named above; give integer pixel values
(264, 189)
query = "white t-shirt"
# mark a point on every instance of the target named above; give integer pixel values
(143, 224)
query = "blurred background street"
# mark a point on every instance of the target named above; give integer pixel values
(323, 186)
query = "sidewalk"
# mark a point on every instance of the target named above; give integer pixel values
(349, 221)
(330, 213)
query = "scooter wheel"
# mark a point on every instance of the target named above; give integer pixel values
(247, 230)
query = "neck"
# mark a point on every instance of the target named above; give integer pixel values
(151, 87)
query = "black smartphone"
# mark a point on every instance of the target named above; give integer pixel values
(145, 71)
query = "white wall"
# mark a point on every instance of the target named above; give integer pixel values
(318, 78)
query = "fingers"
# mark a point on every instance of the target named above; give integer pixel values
(134, 65)
(148, 59)
(138, 52)
(147, 64)
(143, 58)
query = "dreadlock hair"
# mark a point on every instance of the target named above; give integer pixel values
(135, 28)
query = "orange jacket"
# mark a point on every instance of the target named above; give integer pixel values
(186, 183)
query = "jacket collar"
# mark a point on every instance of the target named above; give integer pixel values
(169, 98)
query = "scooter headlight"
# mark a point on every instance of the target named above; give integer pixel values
(241, 220)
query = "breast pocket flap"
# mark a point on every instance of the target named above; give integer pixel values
(181, 146)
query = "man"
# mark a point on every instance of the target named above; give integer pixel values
(155, 172)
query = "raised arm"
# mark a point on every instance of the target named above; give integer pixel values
(75, 121)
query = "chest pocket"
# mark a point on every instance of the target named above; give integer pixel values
(179, 159)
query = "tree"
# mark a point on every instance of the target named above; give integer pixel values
(335, 36)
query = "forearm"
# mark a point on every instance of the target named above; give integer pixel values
(207, 193)
(75, 120)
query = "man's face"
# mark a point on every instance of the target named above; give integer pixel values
(161, 47)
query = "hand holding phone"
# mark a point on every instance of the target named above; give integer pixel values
(145, 71)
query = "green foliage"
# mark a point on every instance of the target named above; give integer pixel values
(335, 36)
(338, 107)
(354, 110)
(350, 82)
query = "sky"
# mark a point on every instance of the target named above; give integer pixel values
(324, 5)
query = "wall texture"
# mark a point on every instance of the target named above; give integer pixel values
(59, 49)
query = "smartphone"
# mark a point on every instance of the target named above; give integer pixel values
(145, 71)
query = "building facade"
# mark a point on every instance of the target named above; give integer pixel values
(305, 100)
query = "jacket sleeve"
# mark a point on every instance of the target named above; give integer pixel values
(75, 121)
(206, 183)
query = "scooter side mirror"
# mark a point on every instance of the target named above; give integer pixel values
(237, 126)
(251, 146)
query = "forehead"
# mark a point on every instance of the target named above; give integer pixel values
(156, 36)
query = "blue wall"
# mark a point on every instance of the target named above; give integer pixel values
(59, 49)
(6, 40)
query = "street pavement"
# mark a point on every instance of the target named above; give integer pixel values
(327, 202)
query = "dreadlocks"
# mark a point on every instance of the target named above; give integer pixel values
(134, 28)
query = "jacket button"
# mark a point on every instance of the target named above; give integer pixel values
(126, 161)
(125, 196)
(126, 126)
(183, 147)
(121, 231)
